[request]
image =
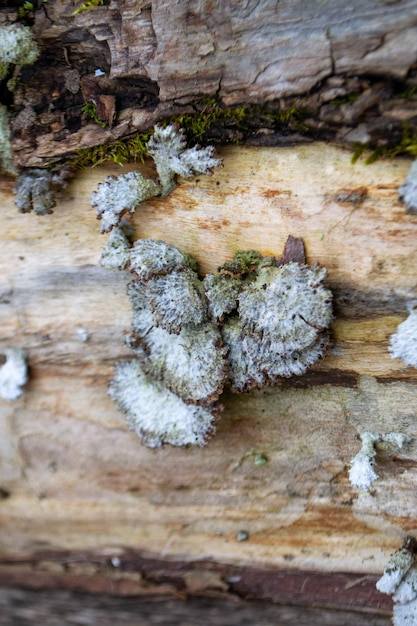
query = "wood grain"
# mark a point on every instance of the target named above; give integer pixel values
(74, 478)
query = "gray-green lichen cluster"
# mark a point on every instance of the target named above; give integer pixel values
(400, 581)
(178, 348)
(35, 188)
(17, 47)
(6, 159)
(250, 324)
(274, 318)
(119, 195)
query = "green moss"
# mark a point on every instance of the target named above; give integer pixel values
(345, 99)
(89, 4)
(407, 145)
(120, 152)
(90, 110)
(207, 121)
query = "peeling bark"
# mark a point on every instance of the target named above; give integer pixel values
(161, 59)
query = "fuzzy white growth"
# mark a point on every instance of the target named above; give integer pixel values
(408, 190)
(116, 252)
(155, 414)
(362, 474)
(400, 581)
(151, 257)
(168, 148)
(190, 364)
(407, 589)
(115, 196)
(283, 313)
(404, 342)
(35, 188)
(288, 305)
(405, 614)
(6, 159)
(17, 46)
(13, 374)
(176, 299)
(395, 570)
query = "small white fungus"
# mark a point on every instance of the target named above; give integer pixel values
(408, 190)
(13, 374)
(362, 474)
(404, 342)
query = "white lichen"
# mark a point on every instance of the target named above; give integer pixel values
(408, 190)
(191, 364)
(116, 252)
(407, 589)
(35, 188)
(17, 47)
(362, 474)
(256, 320)
(116, 196)
(274, 321)
(13, 374)
(176, 299)
(168, 148)
(400, 581)
(152, 257)
(156, 414)
(404, 342)
(6, 158)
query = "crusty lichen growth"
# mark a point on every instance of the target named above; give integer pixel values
(35, 188)
(116, 252)
(253, 322)
(400, 581)
(175, 339)
(362, 474)
(167, 146)
(156, 414)
(274, 322)
(408, 190)
(119, 195)
(17, 47)
(180, 358)
(13, 374)
(404, 342)
(6, 158)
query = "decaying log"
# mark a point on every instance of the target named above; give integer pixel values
(74, 480)
(345, 70)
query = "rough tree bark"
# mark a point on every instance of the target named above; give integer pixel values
(341, 65)
(83, 505)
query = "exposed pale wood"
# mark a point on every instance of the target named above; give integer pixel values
(73, 477)
(161, 57)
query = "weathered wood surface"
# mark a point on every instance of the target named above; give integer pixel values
(25, 608)
(161, 58)
(74, 479)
